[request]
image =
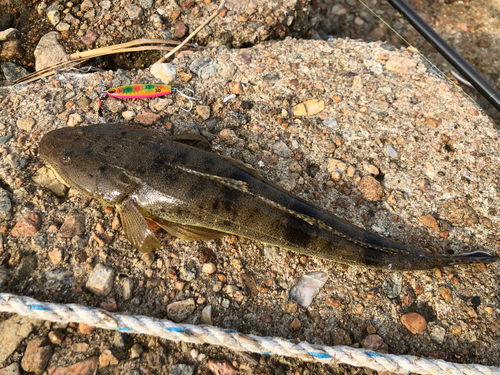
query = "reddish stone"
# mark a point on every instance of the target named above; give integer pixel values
(89, 38)
(176, 14)
(370, 188)
(109, 305)
(236, 88)
(221, 367)
(415, 322)
(147, 118)
(187, 4)
(295, 325)
(85, 328)
(86, 367)
(37, 355)
(27, 226)
(180, 30)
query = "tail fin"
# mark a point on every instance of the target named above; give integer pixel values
(475, 257)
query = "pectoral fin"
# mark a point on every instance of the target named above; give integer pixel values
(194, 140)
(190, 233)
(137, 229)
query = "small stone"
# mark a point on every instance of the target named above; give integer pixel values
(61, 275)
(371, 330)
(25, 123)
(221, 367)
(335, 165)
(56, 256)
(63, 26)
(180, 30)
(101, 280)
(182, 370)
(281, 149)
(445, 293)
(308, 287)
(36, 355)
(12, 369)
(134, 11)
(46, 177)
(156, 359)
(429, 221)
(341, 337)
(295, 325)
(85, 328)
(206, 315)
(135, 351)
(228, 136)
(74, 225)
(204, 67)
(89, 38)
(236, 88)
(49, 52)
(9, 34)
(147, 118)
(13, 72)
(86, 5)
(393, 285)
(249, 284)
(437, 334)
(148, 259)
(119, 341)
(370, 188)
(180, 310)
(372, 342)
(414, 322)
(203, 111)
(206, 255)
(457, 213)
(186, 77)
(309, 107)
(74, 119)
(107, 359)
(16, 328)
(128, 115)
(128, 286)
(86, 367)
(391, 152)
(5, 206)
(27, 226)
(53, 14)
(56, 337)
(109, 305)
(208, 268)
(187, 273)
(166, 73)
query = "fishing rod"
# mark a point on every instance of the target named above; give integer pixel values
(448, 53)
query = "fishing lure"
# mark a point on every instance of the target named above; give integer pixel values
(142, 91)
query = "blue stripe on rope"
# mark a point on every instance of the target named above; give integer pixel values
(320, 355)
(372, 354)
(124, 329)
(174, 329)
(230, 331)
(39, 308)
(264, 353)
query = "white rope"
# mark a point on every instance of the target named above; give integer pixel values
(233, 340)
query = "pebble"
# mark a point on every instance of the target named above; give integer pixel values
(228, 136)
(437, 334)
(53, 14)
(391, 152)
(37, 355)
(61, 275)
(180, 30)
(372, 342)
(85, 329)
(27, 226)
(5, 206)
(180, 310)
(208, 268)
(46, 177)
(308, 287)
(56, 255)
(9, 34)
(107, 358)
(185, 128)
(88, 366)
(295, 325)
(128, 115)
(309, 108)
(16, 328)
(397, 181)
(236, 88)
(4, 139)
(182, 370)
(147, 118)
(25, 123)
(221, 367)
(135, 351)
(166, 73)
(49, 52)
(204, 67)
(128, 286)
(56, 337)
(156, 359)
(445, 293)
(74, 119)
(13, 72)
(281, 149)
(203, 111)
(12, 49)
(134, 11)
(370, 188)
(414, 322)
(12, 369)
(393, 285)
(187, 273)
(457, 213)
(74, 225)
(101, 280)
(429, 221)
(119, 341)
(109, 305)
(206, 315)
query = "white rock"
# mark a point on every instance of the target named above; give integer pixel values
(206, 315)
(9, 34)
(63, 26)
(53, 14)
(74, 119)
(208, 268)
(49, 52)
(308, 287)
(128, 115)
(164, 72)
(101, 280)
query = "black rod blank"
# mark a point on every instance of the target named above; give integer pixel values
(448, 53)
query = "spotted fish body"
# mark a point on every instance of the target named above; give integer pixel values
(198, 195)
(139, 91)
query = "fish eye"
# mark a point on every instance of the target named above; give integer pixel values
(66, 158)
(111, 91)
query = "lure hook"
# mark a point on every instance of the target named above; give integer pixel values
(190, 98)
